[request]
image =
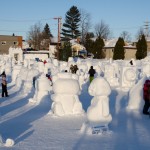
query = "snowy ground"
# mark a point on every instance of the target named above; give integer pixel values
(32, 128)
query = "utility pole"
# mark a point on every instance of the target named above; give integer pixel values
(58, 39)
(146, 27)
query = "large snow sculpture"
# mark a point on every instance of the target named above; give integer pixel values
(98, 115)
(43, 88)
(15, 72)
(98, 112)
(65, 98)
(136, 101)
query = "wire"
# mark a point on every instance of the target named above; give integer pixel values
(32, 20)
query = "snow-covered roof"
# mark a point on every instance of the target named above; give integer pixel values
(111, 43)
(148, 39)
(54, 40)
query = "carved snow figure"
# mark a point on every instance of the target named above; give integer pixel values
(128, 77)
(110, 75)
(43, 88)
(41, 67)
(65, 98)
(98, 115)
(146, 70)
(136, 101)
(15, 72)
(98, 112)
(81, 79)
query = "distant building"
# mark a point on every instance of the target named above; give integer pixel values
(77, 48)
(130, 50)
(7, 41)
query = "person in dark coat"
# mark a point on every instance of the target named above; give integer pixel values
(4, 85)
(91, 73)
(146, 97)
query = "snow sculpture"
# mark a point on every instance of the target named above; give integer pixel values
(43, 88)
(136, 101)
(98, 70)
(41, 67)
(98, 115)
(26, 63)
(128, 76)
(15, 72)
(146, 70)
(55, 62)
(81, 79)
(8, 68)
(16, 53)
(8, 143)
(65, 97)
(98, 112)
(110, 75)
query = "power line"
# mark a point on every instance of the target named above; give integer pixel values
(28, 20)
(121, 28)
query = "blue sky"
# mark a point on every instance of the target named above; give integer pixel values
(17, 16)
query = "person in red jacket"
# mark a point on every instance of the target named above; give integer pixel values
(146, 96)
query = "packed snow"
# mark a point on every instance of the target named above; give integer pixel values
(67, 112)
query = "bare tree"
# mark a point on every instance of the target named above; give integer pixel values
(85, 24)
(35, 36)
(126, 36)
(102, 30)
(140, 33)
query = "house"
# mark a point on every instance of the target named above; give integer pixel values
(76, 47)
(7, 41)
(130, 50)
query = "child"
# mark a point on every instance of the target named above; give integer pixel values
(4, 85)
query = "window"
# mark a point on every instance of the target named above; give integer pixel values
(15, 43)
(3, 42)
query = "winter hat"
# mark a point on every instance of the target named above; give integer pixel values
(3, 73)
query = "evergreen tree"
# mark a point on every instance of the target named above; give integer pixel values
(119, 49)
(141, 48)
(98, 48)
(46, 32)
(88, 42)
(65, 51)
(71, 25)
(46, 35)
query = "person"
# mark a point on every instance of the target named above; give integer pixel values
(75, 68)
(131, 62)
(91, 73)
(4, 85)
(146, 97)
(72, 68)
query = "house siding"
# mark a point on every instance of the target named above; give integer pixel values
(7, 41)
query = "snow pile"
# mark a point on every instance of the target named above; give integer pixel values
(98, 113)
(65, 98)
(9, 142)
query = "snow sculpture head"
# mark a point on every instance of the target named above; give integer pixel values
(130, 75)
(99, 87)
(65, 98)
(65, 84)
